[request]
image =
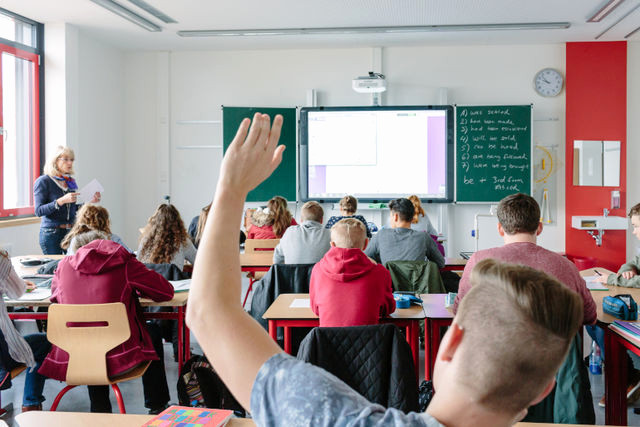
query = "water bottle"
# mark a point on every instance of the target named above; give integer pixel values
(595, 360)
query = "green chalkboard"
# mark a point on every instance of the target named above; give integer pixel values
(283, 180)
(493, 152)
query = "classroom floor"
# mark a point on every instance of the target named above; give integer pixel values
(77, 399)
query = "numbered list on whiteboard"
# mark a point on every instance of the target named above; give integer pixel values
(493, 152)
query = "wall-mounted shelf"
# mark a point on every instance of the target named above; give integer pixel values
(599, 222)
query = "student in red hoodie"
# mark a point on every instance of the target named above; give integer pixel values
(347, 288)
(104, 272)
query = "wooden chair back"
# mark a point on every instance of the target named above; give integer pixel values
(87, 345)
(260, 245)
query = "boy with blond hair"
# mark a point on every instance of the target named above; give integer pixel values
(500, 355)
(347, 288)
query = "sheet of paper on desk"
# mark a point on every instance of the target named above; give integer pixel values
(592, 285)
(37, 294)
(181, 285)
(301, 303)
(87, 192)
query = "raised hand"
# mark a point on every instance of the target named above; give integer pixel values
(252, 156)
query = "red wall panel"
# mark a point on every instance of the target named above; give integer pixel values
(596, 109)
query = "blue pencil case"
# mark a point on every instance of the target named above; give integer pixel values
(621, 306)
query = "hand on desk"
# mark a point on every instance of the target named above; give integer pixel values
(602, 279)
(629, 274)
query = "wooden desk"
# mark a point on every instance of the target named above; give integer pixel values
(179, 301)
(280, 314)
(29, 271)
(257, 261)
(615, 376)
(436, 316)
(615, 370)
(83, 419)
(454, 264)
(253, 263)
(605, 319)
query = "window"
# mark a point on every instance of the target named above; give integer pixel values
(20, 94)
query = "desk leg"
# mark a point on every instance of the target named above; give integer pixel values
(180, 338)
(434, 345)
(187, 338)
(287, 340)
(273, 330)
(427, 349)
(414, 333)
(615, 376)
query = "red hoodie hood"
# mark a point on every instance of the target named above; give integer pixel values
(99, 256)
(334, 261)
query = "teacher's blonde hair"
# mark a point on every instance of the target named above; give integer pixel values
(51, 167)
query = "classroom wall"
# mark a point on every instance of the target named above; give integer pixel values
(596, 110)
(84, 99)
(199, 82)
(633, 138)
(98, 137)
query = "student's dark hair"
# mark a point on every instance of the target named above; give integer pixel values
(635, 210)
(403, 207)
(519, 213)
(349, 204)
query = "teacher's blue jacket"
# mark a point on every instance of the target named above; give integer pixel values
(45, 194)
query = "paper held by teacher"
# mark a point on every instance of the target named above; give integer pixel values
(87, 192)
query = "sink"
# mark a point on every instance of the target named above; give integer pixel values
(610, 222)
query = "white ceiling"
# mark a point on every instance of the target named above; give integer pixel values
(272, 14)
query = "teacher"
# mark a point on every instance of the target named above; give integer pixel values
(55, 194)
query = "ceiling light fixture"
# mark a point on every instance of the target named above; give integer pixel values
(153, 11)
(605, 10)
(377, 30)
(618, 21)
(127, 14)
(632, 33)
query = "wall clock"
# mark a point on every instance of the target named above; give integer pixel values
(548, 82)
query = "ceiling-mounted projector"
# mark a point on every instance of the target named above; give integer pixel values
(373, 83)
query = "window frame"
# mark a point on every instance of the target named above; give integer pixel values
(35, 55)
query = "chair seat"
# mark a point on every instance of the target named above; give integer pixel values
(134, 373)
(17, 371)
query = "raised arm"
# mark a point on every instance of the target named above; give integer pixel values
(235, 344)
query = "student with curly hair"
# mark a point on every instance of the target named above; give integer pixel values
(272, 221)
(164, 239)
(90, 218)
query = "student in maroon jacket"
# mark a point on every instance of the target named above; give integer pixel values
(347, 288)
(104, 272)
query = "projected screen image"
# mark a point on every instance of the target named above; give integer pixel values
(377, 153)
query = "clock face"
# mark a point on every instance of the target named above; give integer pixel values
(548, 82)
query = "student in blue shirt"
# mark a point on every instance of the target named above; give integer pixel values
(510, 335)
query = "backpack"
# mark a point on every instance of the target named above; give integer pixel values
(200, 386)
(425, 394)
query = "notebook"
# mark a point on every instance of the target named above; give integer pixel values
(184, 416)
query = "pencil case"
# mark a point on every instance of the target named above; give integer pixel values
(621, 306)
